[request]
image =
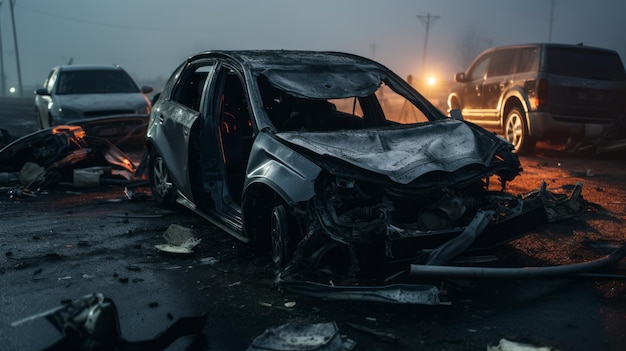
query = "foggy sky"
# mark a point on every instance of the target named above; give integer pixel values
(150, 38)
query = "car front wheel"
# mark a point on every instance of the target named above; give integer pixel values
(163, 190)
(516, 132)
(279, 230)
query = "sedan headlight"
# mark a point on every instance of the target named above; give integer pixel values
(144, 110)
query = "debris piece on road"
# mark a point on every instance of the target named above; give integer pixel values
(570, 270)
(179, 239)
(382, 335)
(508, 345)
(65, 155)
(92, 323)
(299, 336)
(208, 261)
(134, 195)
(398, 293)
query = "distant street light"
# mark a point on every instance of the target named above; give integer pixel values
(430, 82)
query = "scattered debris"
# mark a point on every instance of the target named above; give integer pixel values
(508, 345)
(63, 155)
(208, 261)
(92, 323)
(298, 336)
(180, 240)
(582, 173)
(382, 335)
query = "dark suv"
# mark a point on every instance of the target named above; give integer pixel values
(542, 91)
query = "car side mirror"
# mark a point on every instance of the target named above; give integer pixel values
(456, 114)
(146, 89)
(42, 91)
(460, 77)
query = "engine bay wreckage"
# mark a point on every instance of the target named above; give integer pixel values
(63, 155)
(416, 220)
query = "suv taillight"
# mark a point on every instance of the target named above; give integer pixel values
(541, 98)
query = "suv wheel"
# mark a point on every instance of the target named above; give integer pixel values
(516, 132)
(163, 190)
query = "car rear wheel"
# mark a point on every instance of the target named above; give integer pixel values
(516, 132)
(279, 230)
(163, 190)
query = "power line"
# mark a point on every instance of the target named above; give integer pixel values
(109, 25)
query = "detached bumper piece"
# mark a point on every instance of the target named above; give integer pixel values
(396, 293)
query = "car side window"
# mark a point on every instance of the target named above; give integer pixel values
(527, 60)
(502, 63)
(479, 69)
(188, 92)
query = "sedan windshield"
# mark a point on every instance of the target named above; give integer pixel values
(95, 82)
(330, 102)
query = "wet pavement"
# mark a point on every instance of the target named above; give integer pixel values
(67, 243)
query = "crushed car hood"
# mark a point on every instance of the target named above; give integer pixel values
(404, 154)
(109, 101)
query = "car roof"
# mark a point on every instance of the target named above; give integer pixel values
(83, 67)
(553, 45)
(267, 58)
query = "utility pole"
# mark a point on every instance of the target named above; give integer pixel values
(426, 21)
(552, 2)
(17, 54)
(2, 77)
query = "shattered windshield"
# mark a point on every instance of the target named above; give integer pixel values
(331, 101)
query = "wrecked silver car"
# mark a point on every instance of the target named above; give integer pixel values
(335, 165)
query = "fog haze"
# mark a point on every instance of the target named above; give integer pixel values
(150, 38)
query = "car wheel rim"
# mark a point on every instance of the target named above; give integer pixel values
(162, 182)
(278, 228)
(514, 132)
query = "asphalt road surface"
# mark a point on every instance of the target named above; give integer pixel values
(66, 244)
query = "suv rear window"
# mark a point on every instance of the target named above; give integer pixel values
(584, 63)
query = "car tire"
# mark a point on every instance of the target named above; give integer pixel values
(163, 190)
(279, 231)
(516, 132)
(38, 119)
